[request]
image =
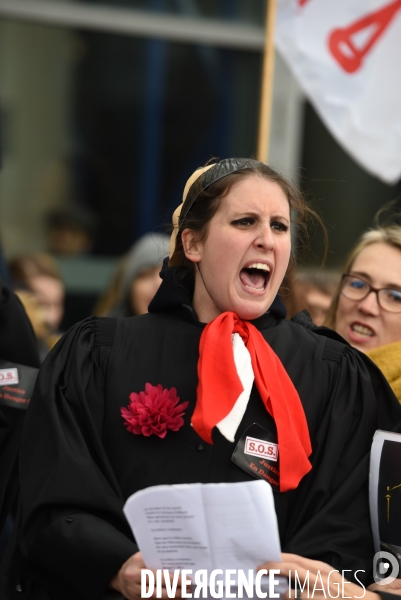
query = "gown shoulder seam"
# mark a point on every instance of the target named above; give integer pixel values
(104, 331)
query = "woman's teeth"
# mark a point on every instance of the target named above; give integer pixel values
(255, 276)
(361, 329)
(260, 266)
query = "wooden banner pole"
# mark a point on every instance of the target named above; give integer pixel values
(266, 88)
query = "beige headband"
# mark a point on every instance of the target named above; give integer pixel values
(176, 214)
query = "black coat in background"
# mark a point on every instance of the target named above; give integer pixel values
(79, 464)
(17, 345)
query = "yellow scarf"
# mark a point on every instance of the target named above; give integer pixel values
(388, 359)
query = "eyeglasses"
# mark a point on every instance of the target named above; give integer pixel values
(356, 288)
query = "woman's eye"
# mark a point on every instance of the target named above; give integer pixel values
(357, 283)
(278, 226)
(394, 296)
(244, 222)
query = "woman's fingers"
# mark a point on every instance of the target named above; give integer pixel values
(292, 562)
(393, 588)
(128, 581)
(316, 579)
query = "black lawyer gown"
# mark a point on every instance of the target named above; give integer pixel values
(79, 464)
(17, 345)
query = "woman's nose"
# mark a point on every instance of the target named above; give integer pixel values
(370, 304)
(265, 238)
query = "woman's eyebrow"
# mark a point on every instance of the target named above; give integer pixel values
(257, 214)
(282, 217)
(361, 274)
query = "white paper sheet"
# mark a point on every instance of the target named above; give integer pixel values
(205, 526)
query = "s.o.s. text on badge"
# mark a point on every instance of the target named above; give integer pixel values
(16, 384)
(261, 448)
(9, 376)
(257, 453)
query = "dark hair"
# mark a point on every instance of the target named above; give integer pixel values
(203, 204)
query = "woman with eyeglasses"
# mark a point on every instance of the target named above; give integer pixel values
(366, 310)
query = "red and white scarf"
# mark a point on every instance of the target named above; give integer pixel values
(233, 353)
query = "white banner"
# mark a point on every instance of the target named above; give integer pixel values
(346, 55)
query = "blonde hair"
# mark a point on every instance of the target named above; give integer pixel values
(25, 267)
(390, 235)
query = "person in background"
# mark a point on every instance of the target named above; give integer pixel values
(71, 230)
(37, 279)
(313, 290)
(137, 278)
(366, 308)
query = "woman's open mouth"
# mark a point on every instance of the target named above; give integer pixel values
(360, 332)
(255, 277)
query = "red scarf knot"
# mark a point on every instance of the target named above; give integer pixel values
(220, 386)
(241, 327)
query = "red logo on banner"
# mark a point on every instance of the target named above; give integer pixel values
(342, 44)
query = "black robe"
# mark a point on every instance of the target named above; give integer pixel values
(79, 464)
(17, 345)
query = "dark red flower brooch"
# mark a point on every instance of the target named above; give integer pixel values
(154, 410)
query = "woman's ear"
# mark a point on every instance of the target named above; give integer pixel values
(191, 247)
